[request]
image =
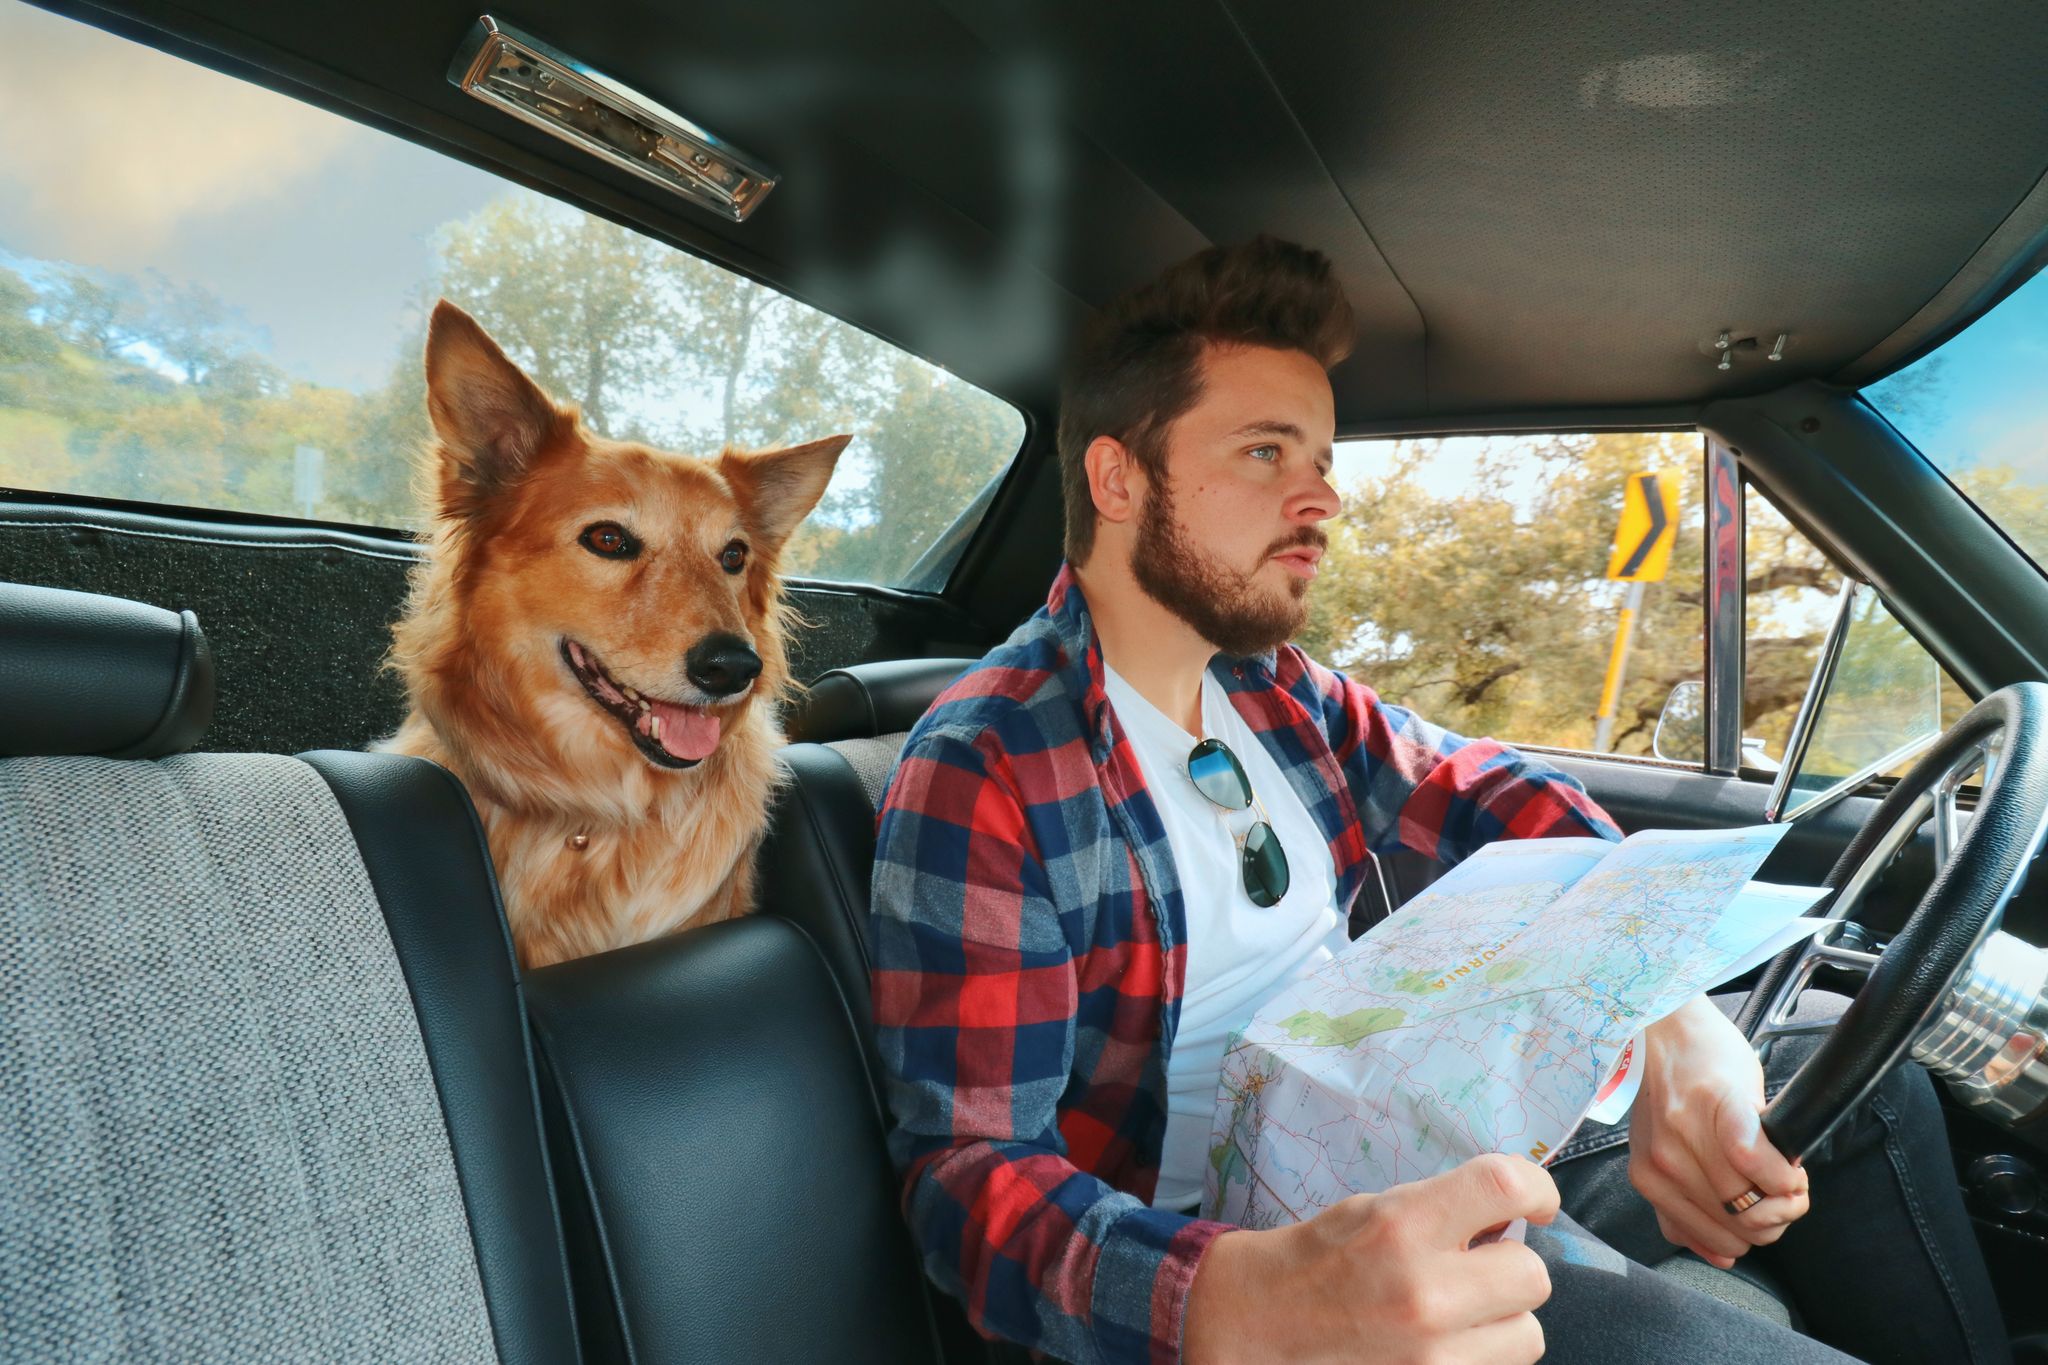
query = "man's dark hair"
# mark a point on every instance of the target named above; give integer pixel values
(1137, 366)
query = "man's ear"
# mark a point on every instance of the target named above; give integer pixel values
(778, 488)
(1114, 479)
(492, 419)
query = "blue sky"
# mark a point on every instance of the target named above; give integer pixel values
(1981, 399)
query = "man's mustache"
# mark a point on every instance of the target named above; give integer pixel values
(1300, 537)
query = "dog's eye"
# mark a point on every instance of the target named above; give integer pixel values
(609, 539)
(733, 558)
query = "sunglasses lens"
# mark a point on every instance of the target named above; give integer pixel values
(1219, 776)
(1265, 866)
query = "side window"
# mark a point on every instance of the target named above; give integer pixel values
(1789, 593)
(1884, 694)
(214, 296)
(1468, 579)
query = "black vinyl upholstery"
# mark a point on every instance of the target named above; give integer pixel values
(735, 1201)
(870, 699)
(431, 870)
(818, 858)
(815, 866)
(86, 674)
(817, 861)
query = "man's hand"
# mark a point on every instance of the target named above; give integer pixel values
(1695, 1140)
(1383, 1277)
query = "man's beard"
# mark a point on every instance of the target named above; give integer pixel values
(1226, 608)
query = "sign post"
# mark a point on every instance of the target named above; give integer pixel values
(1642, 554)
(309, 466)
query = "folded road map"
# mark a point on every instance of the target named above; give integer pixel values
(1488, 1015)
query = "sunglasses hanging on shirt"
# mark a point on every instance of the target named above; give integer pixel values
(1219, 776)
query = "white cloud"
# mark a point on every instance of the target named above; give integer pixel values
(114, 147)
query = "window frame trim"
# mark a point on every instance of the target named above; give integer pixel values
(1724, 563)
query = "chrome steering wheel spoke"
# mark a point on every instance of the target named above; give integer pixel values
(1818, 952)
(1947, 818)
(1938, 804)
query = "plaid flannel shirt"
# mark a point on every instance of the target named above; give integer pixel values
(1027, 935)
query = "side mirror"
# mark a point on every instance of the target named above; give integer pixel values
(1681, 734)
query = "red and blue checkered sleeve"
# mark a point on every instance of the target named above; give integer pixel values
(975, 998)
(1420, 787)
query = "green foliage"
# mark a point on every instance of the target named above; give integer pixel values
(1490, 614)
(157, 391)
(23, 343)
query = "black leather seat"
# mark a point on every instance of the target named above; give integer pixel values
(818, 858)
(727, 1192)
(83, 675)
(714, 1096)
(863, 701)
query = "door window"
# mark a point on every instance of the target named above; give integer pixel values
(1468, 578)
(1817, 643)
(1790, 590)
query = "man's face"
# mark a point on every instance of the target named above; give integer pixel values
(1230, 539)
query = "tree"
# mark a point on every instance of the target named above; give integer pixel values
(577, 301)
(1491, 615)
(927, 446)
(92, 310)
(371, 478)
(23, 341)
(661, 346)
(189, 326)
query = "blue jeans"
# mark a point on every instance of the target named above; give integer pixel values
(1883, 1267)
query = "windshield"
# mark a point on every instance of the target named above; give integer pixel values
(1978, 408)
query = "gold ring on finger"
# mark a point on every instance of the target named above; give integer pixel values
(1744, 1202)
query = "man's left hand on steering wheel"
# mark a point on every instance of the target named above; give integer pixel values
(1696, 1140)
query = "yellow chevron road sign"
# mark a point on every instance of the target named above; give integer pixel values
(1649, 525)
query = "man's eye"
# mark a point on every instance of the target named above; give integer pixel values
(609, 540)
(1267, 453)
(733, 557)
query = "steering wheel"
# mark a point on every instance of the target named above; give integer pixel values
(1950, 986)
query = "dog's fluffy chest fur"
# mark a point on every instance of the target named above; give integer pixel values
(682, 861)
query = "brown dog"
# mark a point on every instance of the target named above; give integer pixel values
(594, 646)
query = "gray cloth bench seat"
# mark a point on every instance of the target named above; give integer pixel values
(262, 1055)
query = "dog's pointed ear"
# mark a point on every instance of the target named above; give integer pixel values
(778, 488)
(492, 419)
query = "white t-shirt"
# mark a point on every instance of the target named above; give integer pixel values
(1239, 956)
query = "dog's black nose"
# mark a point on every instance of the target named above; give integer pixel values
(722, 664)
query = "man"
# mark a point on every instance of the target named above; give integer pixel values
(1145, 813)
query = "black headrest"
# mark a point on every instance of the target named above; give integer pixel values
(871, 699)
(85, 674)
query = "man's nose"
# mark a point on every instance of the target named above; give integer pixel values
(722, 664)
(1317, 499)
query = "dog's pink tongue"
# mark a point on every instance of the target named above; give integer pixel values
(685, 731)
